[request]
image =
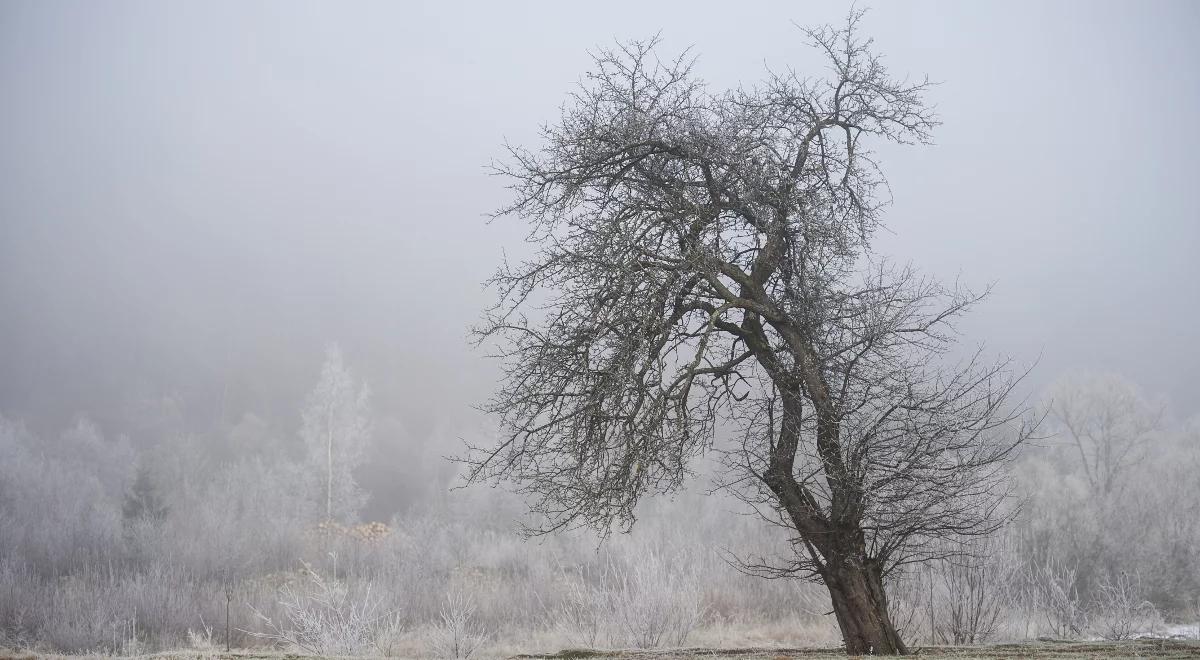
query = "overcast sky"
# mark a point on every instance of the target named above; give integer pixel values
(195, 198)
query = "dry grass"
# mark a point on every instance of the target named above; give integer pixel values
(1170, 649)
(1176, 649)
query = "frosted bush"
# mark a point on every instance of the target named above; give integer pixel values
(1058, 599)
(1123, 613)
(648, 600)
(458, 633)
(320, 615)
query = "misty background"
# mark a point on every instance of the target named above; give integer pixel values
(196, 199)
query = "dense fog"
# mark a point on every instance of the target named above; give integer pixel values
(230, 232)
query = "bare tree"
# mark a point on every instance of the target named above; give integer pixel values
(336, 427)
(1108, 422)
(703, 261)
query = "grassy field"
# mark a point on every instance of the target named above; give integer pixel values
(1057, 650)
(1175, 649)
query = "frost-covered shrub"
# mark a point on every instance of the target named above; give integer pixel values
(458, 632)
(1122, 612)
(324, 616)
(640, 597)
(1059, 601)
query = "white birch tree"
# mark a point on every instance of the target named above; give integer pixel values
(336, 429)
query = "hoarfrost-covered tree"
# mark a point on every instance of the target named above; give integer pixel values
(1108, 422)
(703, 262)
(143, 500)
(336, 429)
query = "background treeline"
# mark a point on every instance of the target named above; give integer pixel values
(114, 546)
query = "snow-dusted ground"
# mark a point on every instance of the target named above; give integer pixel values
(1183, 630)
(1168, 631)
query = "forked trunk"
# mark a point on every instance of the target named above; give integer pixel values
(860, 605)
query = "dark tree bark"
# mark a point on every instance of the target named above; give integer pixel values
(703, 261)
(860, 605)
(854, 579)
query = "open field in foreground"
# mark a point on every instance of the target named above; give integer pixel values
(1145, 648)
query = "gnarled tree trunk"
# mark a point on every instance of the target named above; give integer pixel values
(854, 580)
(860, 605)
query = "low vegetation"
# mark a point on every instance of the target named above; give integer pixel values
(1169, 649)
(113, 549)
